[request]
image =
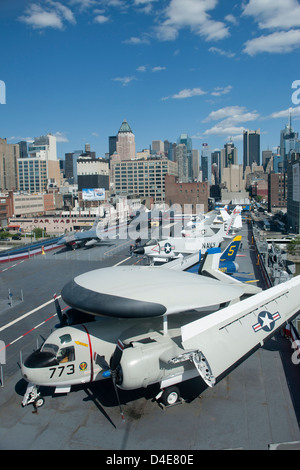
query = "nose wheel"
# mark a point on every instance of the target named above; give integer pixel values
(170, 396)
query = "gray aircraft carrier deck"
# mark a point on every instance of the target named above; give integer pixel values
(254, 407)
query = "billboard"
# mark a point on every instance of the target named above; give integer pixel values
(93, 194)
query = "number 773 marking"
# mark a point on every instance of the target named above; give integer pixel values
(60, 369)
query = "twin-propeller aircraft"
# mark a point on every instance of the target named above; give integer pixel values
(161, 326)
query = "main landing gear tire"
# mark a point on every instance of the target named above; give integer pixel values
(170, 396)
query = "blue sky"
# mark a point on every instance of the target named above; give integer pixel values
(209, 68)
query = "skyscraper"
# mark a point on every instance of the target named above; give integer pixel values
(185, 140)
(125, 144)
(206, 162)
(288, 143)
(251, 148)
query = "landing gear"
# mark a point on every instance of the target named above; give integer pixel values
(32, 395)
(169, 396)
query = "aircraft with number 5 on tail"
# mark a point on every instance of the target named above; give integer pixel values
(159, 327)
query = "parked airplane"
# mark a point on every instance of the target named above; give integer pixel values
(172, 247)
(89, 237)
(157, 329)
(192, 263)
(79, 239)
(212, 221)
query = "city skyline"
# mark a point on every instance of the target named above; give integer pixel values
(208, 68)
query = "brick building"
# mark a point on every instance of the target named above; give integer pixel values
(186, 193)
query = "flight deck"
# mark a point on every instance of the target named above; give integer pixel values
(256, 407)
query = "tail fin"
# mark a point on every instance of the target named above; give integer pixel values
(95, 224)
(210, 267)
(230, 252)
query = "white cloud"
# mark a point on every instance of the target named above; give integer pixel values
(145, 68)
(124, 80)
(158, 69)
(279, 42)
(192, 14)
(231, 118)
(84, 4)
(52, 15)
(217, 50)
(186, 93)
(274, 14)
(100, 19)
(231, 19)
(225, 113)
(61, 137)
(284, 113)
(136, 41)
(222, 90)
(224, 130)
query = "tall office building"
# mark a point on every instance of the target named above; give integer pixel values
(143, 177)
(9, 153)
(185, 140)
(125, 144)
(289, 143)
(229, 155)
(195, 163)
(182, 162)
(23, 149)
(112, 144)
(71, 165)
(206, 162)
(251, 148)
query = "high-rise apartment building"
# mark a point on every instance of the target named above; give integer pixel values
(125, 143)
(9, 154)
(251, 141)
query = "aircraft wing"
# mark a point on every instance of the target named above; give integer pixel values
(217, 343)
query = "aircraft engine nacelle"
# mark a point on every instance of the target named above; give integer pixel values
(142, 366)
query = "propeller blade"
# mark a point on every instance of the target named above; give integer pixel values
(58, 310)
(115, 362)
(100, 360)
(117, 355)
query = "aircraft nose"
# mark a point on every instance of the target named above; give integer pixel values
(139, 251)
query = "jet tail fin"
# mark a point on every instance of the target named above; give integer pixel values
(209, 267)
(230, 252)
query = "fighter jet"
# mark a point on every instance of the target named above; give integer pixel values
(172, 247)
(192, 263)
(84, 238)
